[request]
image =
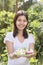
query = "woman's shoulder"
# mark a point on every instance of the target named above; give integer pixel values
(9, 34)
(30, 35)
(31, 38)
(8, 37)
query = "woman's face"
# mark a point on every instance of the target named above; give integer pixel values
(21, 22)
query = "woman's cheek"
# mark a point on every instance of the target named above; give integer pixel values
(17, 23)
(25, 23)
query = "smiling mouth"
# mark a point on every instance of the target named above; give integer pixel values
(21, 25)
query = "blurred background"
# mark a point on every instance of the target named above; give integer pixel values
(34, 9)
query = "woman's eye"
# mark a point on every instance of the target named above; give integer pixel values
(24, 20)
(19, 20)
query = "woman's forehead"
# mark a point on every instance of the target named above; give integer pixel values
(21, 17)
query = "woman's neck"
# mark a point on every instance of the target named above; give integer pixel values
(20, 33)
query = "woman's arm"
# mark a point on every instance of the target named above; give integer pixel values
(31, 46)
(10, 49)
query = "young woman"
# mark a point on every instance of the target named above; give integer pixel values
(19, 39)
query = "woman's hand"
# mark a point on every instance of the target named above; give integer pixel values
(30, 54)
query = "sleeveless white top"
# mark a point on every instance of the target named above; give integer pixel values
(18, 45)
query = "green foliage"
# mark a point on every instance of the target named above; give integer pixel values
(33, 60)
(6, 21)
(8, 5)
(35, 13)
(26, 4)
(5, 18)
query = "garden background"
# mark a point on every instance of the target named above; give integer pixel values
(34, 8)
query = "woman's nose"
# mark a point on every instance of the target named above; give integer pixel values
(22, 22)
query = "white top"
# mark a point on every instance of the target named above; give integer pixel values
(18, 45)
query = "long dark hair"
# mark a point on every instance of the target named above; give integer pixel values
(15, 30)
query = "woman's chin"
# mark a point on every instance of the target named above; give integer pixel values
(21, 29)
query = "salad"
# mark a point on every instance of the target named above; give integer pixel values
(23, 52)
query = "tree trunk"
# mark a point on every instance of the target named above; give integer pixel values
(3, 4)
(16, 7)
